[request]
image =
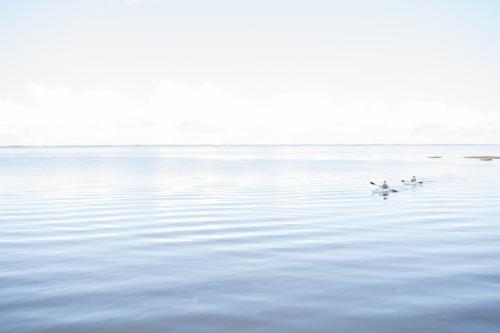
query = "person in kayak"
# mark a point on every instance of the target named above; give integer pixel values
(413, 179)
(385, 186)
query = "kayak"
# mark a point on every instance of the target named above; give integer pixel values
(412, 183)
(383, 190)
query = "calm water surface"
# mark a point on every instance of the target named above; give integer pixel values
(248, 239)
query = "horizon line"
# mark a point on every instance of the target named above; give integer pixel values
(246, 144)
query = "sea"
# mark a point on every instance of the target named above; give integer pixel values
(267, 239)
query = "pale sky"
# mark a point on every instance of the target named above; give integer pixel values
(249, 72)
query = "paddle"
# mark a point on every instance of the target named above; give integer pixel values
(392, 190)
(404, 181)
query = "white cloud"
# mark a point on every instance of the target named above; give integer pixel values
(183, 114)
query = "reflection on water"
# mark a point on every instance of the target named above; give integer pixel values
(254, 239)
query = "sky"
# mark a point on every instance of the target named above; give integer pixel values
(249, 72)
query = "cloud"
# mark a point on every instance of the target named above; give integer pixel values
(177, 113)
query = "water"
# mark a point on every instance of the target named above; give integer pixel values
(248, 239)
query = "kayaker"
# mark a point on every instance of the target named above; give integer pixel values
(384, 185)
(413, 179)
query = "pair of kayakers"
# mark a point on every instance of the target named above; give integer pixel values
(385, 186)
